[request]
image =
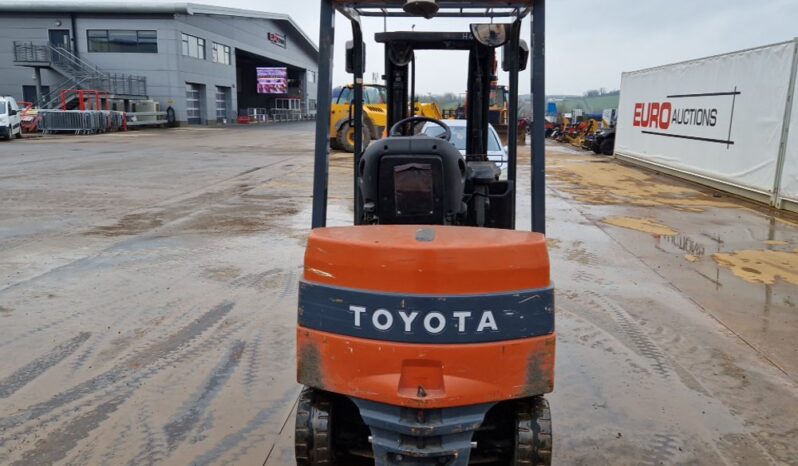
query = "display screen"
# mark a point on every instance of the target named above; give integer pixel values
(272, 80)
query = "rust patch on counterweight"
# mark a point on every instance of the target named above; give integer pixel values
(309, 370)
(540, 371)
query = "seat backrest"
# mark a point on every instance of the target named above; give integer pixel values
(412, 180)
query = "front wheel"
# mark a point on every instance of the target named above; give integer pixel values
(19, 134)
(533, 437)
(313, 432)
(346, 137)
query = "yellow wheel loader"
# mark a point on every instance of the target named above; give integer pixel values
(342, 129)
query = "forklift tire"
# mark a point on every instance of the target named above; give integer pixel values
(533, 440)
(346, 137)
(313, 432)
(607, 146)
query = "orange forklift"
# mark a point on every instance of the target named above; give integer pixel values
(426, 330)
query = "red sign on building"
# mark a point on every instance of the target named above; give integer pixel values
(277, 39)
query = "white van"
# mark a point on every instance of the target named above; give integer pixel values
(9, 118)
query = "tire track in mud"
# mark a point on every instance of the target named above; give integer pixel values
(234, 440)
(119, 443)
(151, 355)
(88, 310)
(130, 386)
(60, 442)
(149, 333)
(279, 337)
(290, 288)
(153, 450)
(254, 363)
(192, 410)
(30, 371)
(253, 367)
(260, 280)
(664, 448)
(84, 356)
(657, 360)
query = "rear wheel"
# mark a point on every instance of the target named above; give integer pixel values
(19, 134)
(533, 440)
(313, 433)
(607, 146)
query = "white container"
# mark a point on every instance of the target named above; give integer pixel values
(718, 120)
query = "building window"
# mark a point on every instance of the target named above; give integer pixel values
(122, 41)
(220, 54)
(193, 46)
(313, 76)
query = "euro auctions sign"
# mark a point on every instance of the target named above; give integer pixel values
(718, 118)
(703, 116)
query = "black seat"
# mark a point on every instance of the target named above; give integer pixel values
(412, 180)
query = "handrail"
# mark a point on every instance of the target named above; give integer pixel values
(67, 55)
(80, 72)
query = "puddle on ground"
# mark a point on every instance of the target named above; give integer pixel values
(772, 242)
(761, 266)
(646, 225)
(595, 180)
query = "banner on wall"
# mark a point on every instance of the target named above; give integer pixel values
(719, 118)
(789, 175)
(272, 80)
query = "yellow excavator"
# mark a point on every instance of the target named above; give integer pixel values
(342, 129)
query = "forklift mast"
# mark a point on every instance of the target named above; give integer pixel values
(400, 47)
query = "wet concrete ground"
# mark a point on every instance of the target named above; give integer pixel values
(147, 304)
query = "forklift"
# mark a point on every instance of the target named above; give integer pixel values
(425, 330)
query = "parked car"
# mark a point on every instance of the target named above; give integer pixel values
(10, 125)
(604, 141)
(496, 153)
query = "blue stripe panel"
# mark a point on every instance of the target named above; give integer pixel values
(426, 319)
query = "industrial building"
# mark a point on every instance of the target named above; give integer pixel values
(205, 63)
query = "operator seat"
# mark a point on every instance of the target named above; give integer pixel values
(412, 180)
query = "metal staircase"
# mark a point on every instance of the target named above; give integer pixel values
(78, 73)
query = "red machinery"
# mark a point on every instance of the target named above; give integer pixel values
(83, 96)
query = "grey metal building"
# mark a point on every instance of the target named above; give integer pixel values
(199, 60)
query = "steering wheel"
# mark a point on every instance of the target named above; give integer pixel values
(396, 129)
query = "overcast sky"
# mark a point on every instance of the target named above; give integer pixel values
(589, 43)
